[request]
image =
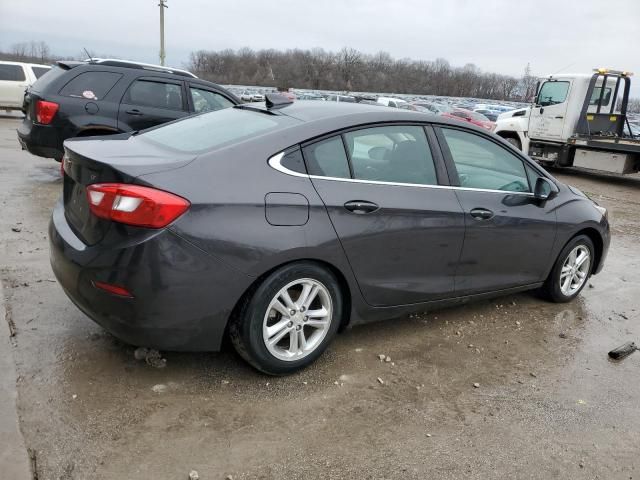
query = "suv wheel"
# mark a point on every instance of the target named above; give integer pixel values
(289, 320)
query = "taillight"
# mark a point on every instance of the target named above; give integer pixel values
(45, 111)
(135, 205)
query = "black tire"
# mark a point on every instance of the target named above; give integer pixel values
(514, 141)
(245, 330)
(552, 288)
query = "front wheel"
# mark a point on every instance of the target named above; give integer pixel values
(571, 270)
(289, 320)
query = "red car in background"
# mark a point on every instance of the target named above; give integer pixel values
(465, 115)
(456, 113)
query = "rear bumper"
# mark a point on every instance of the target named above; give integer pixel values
(41, 140)
(182, 297)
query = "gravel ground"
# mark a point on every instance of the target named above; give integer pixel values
(548, 404)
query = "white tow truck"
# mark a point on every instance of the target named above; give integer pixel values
(577, 121)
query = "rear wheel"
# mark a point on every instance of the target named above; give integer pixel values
(289, 320)
(571, 270)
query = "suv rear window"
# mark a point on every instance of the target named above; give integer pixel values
(43, 82)
(91, 85)
(12, 73)
(211, 130)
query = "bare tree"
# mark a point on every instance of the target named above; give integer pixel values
(350, 70)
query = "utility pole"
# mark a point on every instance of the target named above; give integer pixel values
(162, 5)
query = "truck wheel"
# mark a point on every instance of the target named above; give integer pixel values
(514, 141)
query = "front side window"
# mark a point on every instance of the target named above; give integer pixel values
(327, 158)
(397, 154)
(482, 164)
(208, 101)
(151, 93)
(12, 73)
(90, 85)
(552, 93)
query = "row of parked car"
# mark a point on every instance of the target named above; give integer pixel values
(480, 114)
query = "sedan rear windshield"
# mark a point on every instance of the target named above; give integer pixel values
(214, 129)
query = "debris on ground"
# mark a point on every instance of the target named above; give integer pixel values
(387, 359)
(380, 381)
(16, 229)
(476, 385)
(623, 350)
(382, 356)
(428, 435)
(193, 475)
(159, 388)
(533, 375)
(154, 359)
(563, 335)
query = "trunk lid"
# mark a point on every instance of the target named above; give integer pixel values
(114, 159)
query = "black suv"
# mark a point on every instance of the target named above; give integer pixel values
(102, 97)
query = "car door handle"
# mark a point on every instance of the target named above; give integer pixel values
(134, 111)
(361, 207)
(559, 116)
(481, 213)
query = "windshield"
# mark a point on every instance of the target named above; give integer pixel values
(214, 129)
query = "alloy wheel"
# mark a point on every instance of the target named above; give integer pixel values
(575, 270)
(297, 319)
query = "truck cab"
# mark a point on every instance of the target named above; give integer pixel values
(577, 120)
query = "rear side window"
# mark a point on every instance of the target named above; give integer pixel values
(327, 158)
(482, 164)
(211, 130)
(12, 73)
(208, 101)
(39, 71)
(397, 154)
(151, 93)
(90, 85)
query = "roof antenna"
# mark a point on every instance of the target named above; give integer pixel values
(88, 54)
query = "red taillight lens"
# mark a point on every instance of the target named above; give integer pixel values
(135, 205)
(45, 111)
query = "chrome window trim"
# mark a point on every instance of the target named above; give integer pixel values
(274, 162)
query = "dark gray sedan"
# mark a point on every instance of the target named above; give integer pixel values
(279, 225)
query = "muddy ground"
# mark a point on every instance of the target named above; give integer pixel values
(549, 405)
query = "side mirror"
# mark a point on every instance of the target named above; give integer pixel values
(544, 189)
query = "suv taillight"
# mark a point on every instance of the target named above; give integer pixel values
(45, 111)
(135, 205)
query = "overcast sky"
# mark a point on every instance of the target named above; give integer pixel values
(496, 35)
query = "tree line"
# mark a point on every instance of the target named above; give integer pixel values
(353, 71)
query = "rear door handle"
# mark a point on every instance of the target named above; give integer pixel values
(481, 213)
(134, 111)
(361, 207)
(559, 116)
